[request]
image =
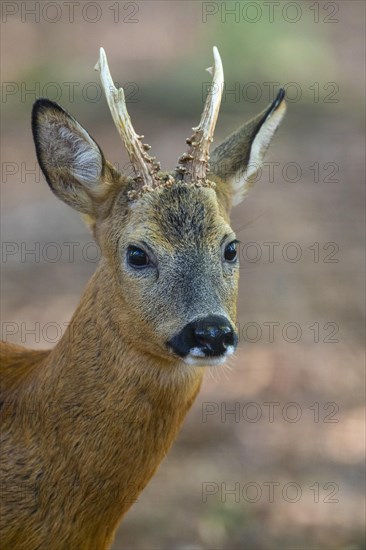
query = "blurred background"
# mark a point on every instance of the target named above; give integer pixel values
(271, 455)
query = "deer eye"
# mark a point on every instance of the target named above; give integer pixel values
(231, 252)
(136, 257)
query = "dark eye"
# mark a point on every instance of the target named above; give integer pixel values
(136, 257)
(231, 251)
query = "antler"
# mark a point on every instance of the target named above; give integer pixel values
(193, 165)
(145, 167)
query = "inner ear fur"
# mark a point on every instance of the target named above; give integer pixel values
(71, 161)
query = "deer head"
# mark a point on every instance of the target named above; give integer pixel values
(169, 254)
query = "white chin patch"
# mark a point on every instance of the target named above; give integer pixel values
(197, 357)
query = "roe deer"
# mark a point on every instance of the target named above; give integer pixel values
(160, 307)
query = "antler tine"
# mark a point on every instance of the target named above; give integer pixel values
(145, 167)
(193, 165)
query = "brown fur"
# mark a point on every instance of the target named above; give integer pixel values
(86, 424)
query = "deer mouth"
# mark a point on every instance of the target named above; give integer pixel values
(194, 358)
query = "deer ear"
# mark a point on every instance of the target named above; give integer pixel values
(238, 158)
(70, 159)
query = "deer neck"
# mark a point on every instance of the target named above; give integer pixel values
(112, 411)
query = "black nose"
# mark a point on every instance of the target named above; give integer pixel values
(207, 337)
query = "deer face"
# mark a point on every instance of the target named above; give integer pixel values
(167, 245)
(178, 272)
